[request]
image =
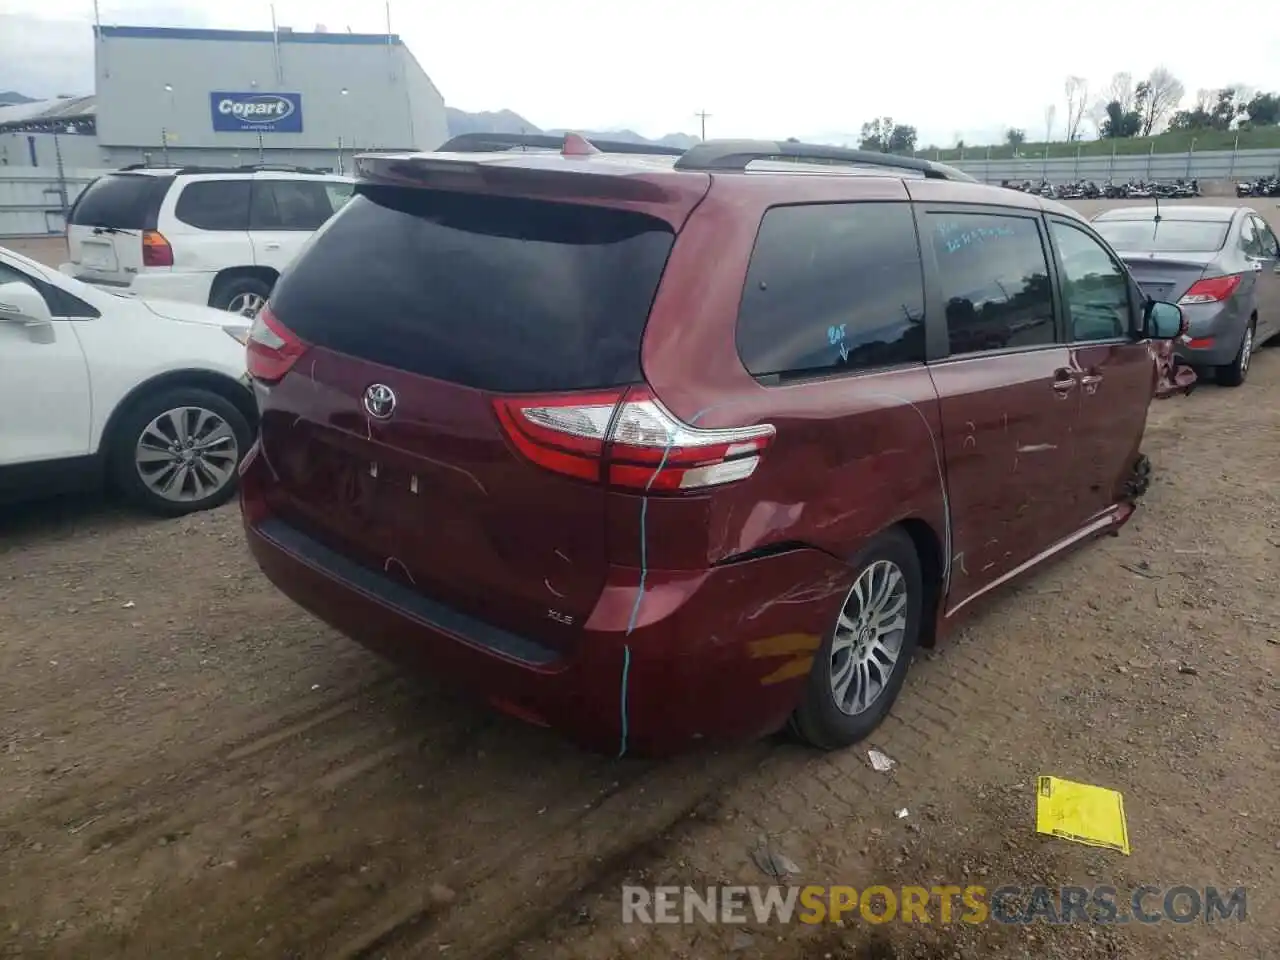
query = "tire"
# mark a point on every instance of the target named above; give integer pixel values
(1139, 481)
(819, 720)
(160, 417)
(240, 294)
(1233, 374)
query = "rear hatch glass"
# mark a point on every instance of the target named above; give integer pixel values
(447, 298)
(1166, 256)
(1163, 236)
(104, 228)
(488, 292)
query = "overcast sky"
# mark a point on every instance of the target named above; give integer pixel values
(777, 69)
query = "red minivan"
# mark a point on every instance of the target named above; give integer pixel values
(658, 450)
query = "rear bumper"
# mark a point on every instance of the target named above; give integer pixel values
(183, 287)
(717, 655)
(1215, 335)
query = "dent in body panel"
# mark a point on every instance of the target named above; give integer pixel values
(871, 459)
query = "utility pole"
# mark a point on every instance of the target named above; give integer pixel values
(702, 115)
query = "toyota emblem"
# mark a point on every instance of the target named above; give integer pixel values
(380, 401)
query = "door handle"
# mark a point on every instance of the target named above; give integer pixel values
(1064, 380)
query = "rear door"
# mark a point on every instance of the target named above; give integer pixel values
(208, 225)
(283, 215)
(451, 301)
(1007, 388)
(1267, 258)
(106, 223)
(1117, 371)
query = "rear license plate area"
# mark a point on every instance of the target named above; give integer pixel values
(97, 255)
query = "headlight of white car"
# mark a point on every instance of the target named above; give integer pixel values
(239, 333)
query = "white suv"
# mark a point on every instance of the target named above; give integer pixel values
(202, 235)
(150, 396)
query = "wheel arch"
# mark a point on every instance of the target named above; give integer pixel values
(267, 275)
(929, 549)
(218, 383)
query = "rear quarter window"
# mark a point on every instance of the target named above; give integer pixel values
(128, 201)
(833, 288)
(489, 292)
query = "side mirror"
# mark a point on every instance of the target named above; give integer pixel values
(23, 303)
(1164, 321)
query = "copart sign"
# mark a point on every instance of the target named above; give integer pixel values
(256, 112)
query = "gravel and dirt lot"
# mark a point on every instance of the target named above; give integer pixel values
(190, 766)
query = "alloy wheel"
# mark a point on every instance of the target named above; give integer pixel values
(187, 454)
(246, 304)
(868, 638)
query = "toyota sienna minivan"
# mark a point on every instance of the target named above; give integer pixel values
(658, 449)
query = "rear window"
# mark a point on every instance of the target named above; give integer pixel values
(215, 204)
(494, 293)
(129, 201)
(1164, 236)
(832, 288)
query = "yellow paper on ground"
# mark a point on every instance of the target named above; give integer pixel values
(1081, 812)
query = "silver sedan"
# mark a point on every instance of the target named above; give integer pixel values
(1221, 265)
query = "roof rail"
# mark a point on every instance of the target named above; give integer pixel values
(737, 155)
(496, 142)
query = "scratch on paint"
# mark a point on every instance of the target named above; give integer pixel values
(1037, 447)
(547, 583)
(563, 557)
(959, 559)
(1006, 422)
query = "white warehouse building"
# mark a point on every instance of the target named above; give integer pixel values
(176, 96)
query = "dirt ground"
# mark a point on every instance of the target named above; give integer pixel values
(192, 767)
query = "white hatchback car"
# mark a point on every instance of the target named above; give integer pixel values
(202, 235)
(151, 396)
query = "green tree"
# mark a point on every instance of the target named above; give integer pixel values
(882, 135)
(1263, 110)
(1015, 137)
(1122, 123)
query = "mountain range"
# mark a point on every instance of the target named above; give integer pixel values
(508, 121)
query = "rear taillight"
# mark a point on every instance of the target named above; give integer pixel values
(1210, 290)
(272, 349)
(626, 438)
(156, 251)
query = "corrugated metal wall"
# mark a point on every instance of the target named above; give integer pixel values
(156, 83)
(31, 198)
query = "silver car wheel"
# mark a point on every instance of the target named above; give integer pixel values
(246, 304)
(868, 637)
(187, 454)
(1246, 350)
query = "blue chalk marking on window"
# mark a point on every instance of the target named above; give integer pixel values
(836, 334)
